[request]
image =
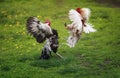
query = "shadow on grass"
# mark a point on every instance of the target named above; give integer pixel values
(53, 62)
(77, 71)
(68, 70)
(50, 63)
(5, 67)
(25, 58)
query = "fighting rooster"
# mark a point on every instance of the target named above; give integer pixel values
(52, 44)
(41, 32)
(79, 18)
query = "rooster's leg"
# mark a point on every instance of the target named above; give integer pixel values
(59, 55)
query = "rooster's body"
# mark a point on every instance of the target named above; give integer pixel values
(43, 31)
(39, 30)
(79, 18)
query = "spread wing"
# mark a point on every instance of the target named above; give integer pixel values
(89, 28)
(75, 17)
(38, 29)
(85, 13)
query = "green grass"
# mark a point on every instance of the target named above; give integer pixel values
(96, 55)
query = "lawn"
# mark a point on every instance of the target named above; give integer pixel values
(96, 55)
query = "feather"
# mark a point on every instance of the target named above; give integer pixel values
(85, 13)
(52, 44)
(75, 17)
(89, 28)
(75, 27)
(38, 29)
(79, 23)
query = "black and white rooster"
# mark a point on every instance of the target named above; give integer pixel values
(41, 32)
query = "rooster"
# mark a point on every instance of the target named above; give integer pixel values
(43, 32)
(39, 30)
(79, 18)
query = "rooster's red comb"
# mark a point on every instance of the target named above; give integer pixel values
(78, 10)
(48, 21)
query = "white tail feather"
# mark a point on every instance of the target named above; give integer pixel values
(88, 28)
